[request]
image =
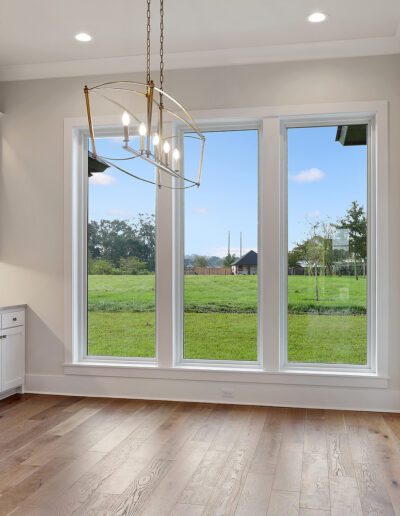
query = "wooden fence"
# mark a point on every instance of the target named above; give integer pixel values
(209, 271)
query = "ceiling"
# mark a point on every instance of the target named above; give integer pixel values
(37, 36)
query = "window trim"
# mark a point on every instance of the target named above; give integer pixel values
(326, 121)
(270, 222)
(179, 254)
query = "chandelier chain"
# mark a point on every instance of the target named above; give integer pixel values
(148, 41)
(161, 46)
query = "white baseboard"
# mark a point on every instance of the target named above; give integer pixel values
(340, 398)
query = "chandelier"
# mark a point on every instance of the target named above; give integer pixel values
(147, 110)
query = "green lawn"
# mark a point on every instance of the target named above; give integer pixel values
(225, 293)
(221, 320)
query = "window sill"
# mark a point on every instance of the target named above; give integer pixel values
(227, 374)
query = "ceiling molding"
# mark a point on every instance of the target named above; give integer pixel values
(205, 59)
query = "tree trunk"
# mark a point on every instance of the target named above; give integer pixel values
(355, 267)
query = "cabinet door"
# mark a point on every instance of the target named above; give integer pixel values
(12, 357)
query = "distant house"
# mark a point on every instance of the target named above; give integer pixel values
(246, 265)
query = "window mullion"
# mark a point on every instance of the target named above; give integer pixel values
(164, 268)
(270, 244)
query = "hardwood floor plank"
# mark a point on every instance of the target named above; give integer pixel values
(135, 497)
(166, 495)
(184, 509)
(289, 467)
(339, 456)
(202, 483)
(283, 503)
(314, 492)
(345, 497)
(61, 481)
(373, 494)
(315, 432)
(255, 495)
(14, 495)
(226, 494)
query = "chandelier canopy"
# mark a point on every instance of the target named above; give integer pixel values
(143, 130)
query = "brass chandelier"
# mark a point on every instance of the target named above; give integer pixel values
(144, 135)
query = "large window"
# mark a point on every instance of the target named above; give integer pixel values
(120, 260)
(278, 263)
(220, 250)
(327, 283)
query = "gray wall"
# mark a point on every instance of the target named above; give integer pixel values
(31, 180)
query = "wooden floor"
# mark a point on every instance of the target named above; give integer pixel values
(89, 456)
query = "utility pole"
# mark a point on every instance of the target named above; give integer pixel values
(241, 247)
(229, 243)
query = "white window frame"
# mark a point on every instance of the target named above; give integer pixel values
(271, 367)
(372, 273)
(179, 255)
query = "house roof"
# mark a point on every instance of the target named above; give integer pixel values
(355, 134)
(95, 164)
(249, 258)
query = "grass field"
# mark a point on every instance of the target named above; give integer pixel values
(221, 320)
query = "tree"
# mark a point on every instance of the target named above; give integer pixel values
(200, 261)
(295, 256)
(132, 265)
(314, 253)
(113, 240)
(355, 221)
(99, 266)
(229, 259)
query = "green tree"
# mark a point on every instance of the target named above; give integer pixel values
(229, 259)
(100, 266)
(355, 221)
(296, 255)
(200, 261)
(113, 240)
(132, 265)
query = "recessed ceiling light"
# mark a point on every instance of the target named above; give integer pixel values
(317, 17)
(82, 36)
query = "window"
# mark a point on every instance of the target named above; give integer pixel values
(120, 260)
(278, 263)
(220, 250)
(327, 238)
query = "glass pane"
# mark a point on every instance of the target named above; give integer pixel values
(220, 283)
(121, 260)
(327, 244)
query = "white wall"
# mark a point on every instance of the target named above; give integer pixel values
(31, 176)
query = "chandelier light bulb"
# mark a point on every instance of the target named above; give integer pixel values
(156, 139)
(126, 119)
(167, 147)
(142, 129)
(142, 133)
(176, 155)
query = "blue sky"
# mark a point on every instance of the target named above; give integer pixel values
(324, 178)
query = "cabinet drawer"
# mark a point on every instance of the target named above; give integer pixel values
(11, 319)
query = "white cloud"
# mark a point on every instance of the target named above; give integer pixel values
(312, 214)
(309, 176)
(201, 211)
(102, 179)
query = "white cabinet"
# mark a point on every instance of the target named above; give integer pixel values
(12, 349)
